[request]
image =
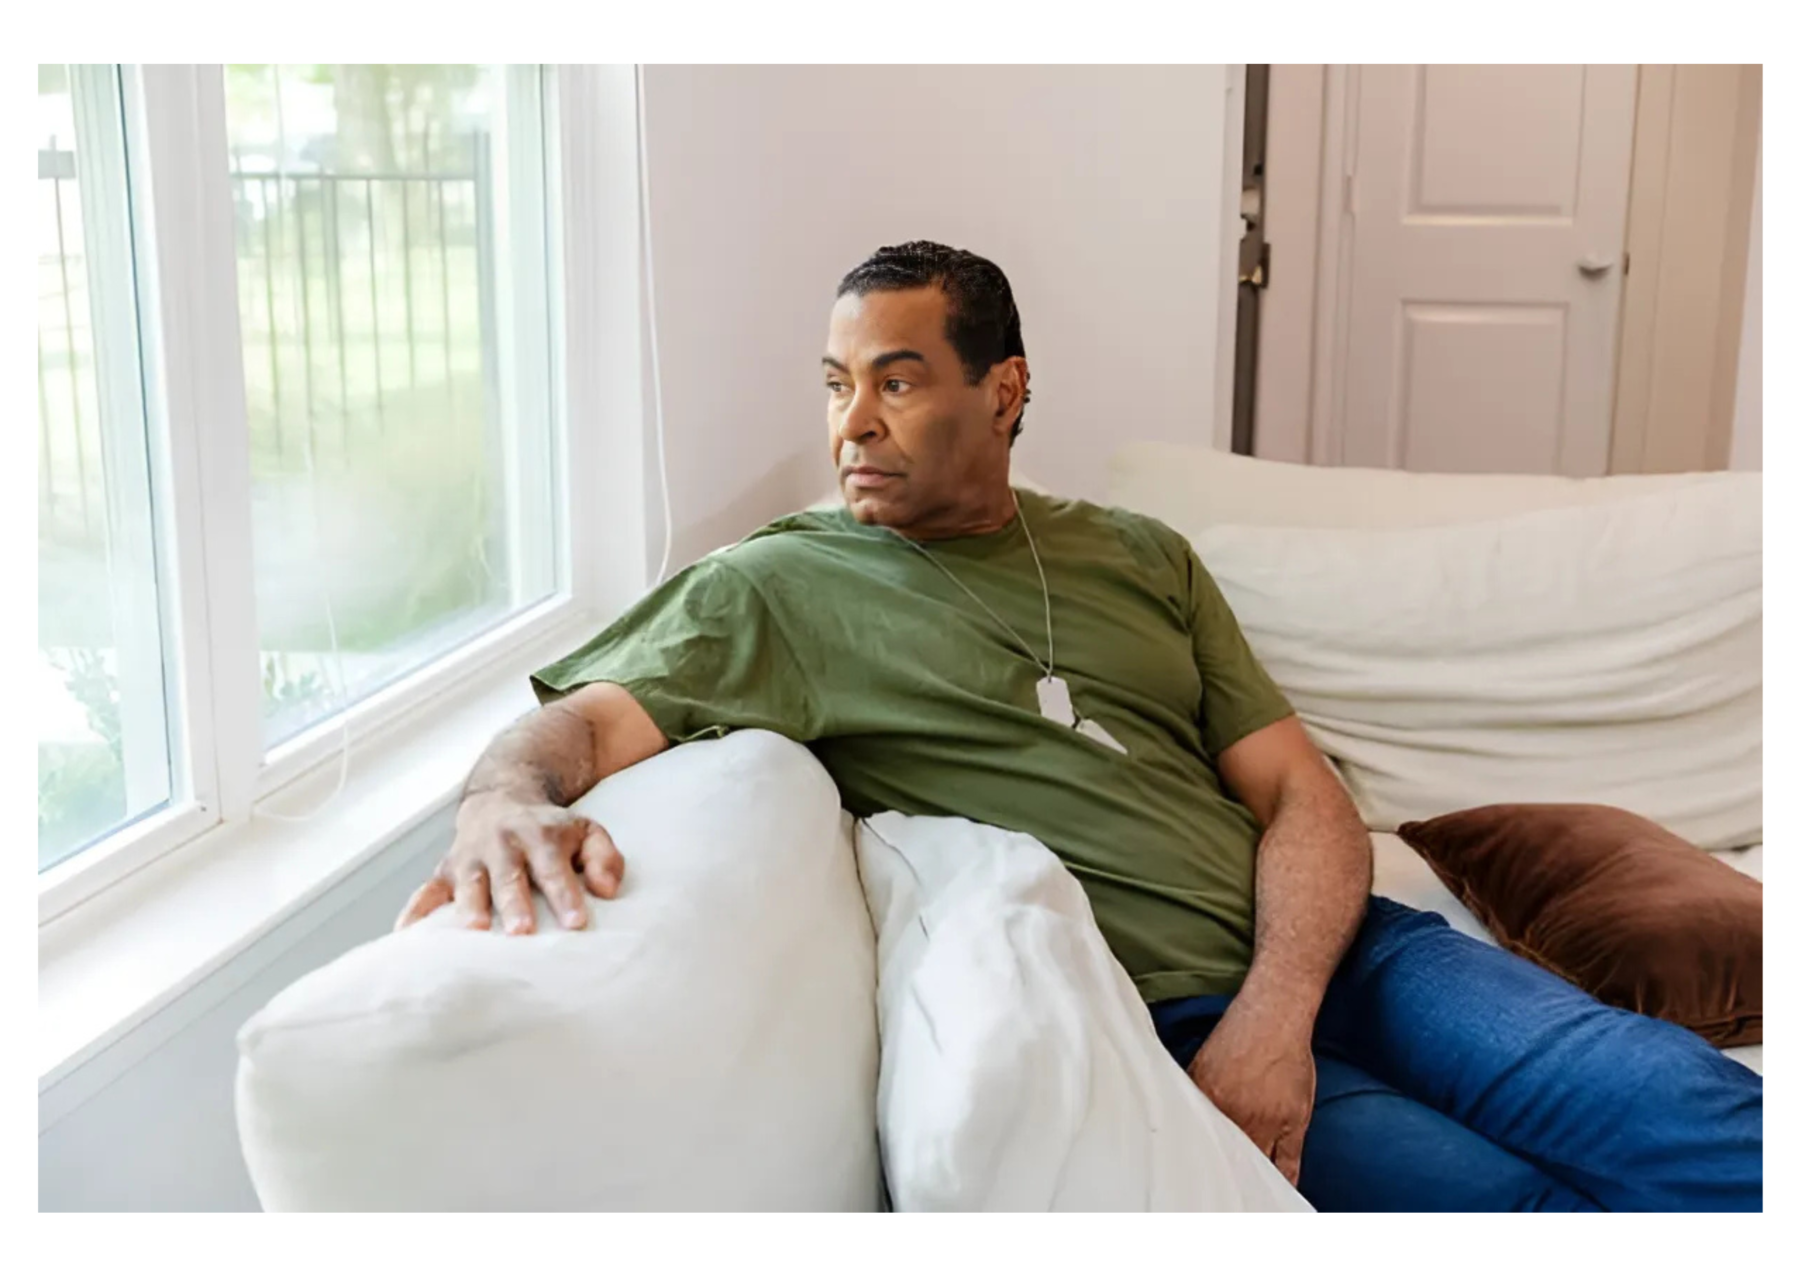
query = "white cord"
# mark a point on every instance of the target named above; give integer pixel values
(343, 706)
(662, 458)
(337, 656)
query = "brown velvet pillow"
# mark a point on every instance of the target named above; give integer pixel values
(1613, 903)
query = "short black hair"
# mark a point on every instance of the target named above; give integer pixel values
(982, 320)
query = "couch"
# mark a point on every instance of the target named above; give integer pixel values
(712, 1041)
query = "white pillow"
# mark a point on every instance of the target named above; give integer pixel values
(1604, 653)
(709, 1043)
(1020, 1069)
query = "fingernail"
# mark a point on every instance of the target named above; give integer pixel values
(574, 920)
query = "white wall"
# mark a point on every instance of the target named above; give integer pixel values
(148, 1124)
(1099, 191)
(1746, 417)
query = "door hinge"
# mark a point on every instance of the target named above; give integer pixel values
(1625, 263)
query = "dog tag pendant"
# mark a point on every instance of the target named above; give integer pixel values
(1093, 731)
(1053, 701)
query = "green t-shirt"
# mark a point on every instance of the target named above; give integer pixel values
(844, 637)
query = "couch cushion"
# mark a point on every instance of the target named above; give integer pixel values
(1020, 1069)
(709, 1043)
(1606, 653)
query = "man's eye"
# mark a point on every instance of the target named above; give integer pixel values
(894, 385)
(834, 386)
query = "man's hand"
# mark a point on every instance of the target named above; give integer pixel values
(1260, 1075)
(503, 846)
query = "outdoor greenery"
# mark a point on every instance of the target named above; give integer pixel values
(81, 786)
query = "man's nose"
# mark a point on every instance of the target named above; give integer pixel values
(862, 419)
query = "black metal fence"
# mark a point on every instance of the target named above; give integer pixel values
(366, 305)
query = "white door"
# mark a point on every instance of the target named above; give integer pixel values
(1486, 241)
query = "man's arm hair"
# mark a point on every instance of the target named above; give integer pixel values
(558, 752)
(1313, 867)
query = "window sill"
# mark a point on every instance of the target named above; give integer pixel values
(113, 961)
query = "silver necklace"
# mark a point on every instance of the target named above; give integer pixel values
(1054, 701)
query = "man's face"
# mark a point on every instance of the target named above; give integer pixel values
(911, 439)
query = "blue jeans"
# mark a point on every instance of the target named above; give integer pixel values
(1454, 1076)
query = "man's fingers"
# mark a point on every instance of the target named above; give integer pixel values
(494, 871)
(1286, 1157)
(472, 897)
(602, 866)
(512, 896)
(555, 873)
(432, 895)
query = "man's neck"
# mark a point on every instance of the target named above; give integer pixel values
(993, 514)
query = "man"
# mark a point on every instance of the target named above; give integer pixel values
(948, 646)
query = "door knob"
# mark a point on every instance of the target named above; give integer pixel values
(1594, 267)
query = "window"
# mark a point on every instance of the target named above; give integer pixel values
(104, 756)
(390, 249)
(324, 473)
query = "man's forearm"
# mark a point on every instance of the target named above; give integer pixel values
(548, 756)
(1312, 884)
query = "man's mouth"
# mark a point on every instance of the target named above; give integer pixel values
(867, 477)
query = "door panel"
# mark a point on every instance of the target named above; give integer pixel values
(1495, 371)
(1486, 242)
(1527, 169)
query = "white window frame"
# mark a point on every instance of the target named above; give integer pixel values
(199, 446)
(151, 750)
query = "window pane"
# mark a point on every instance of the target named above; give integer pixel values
(99, 693)
(392, 293)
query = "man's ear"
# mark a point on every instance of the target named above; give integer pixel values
(1011, 376)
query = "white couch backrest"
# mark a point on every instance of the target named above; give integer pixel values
(1193, 488)
(1452, 641)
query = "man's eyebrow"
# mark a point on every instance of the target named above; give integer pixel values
(881, 361)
